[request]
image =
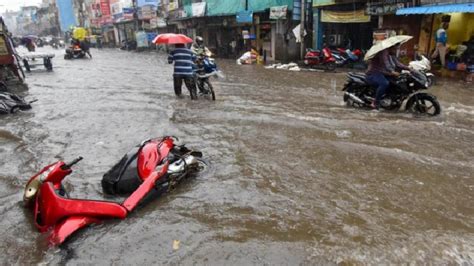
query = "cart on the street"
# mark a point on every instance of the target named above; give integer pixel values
(10, 67)
(33, 59)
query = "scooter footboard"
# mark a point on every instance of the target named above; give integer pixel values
(68, 226)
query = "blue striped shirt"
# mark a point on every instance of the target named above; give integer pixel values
(183, 62)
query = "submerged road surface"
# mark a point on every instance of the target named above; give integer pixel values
(295, 177)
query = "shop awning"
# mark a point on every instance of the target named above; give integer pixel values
(453, 8)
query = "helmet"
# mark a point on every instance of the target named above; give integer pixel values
(199, 40)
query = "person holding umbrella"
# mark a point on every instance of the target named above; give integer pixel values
(183, 59)
(380, 66)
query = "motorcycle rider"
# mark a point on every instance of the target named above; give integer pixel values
(199, 48)
(379, 68)
(201, 51)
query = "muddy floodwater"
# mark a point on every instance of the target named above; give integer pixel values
(294, 176)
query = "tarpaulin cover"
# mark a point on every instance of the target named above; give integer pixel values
(224, 7)
(232, 7)
(356, 16)
(67, 18)
(262, 5)
(453, 8)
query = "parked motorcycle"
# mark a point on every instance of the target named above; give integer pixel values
(208, 68)
(359, 93)
(148, 170)
(346, 56)
(320, 58)
(423, 65)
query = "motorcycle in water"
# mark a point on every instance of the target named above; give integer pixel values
(11, 103)
(74, 52)
(148, 170)
(207, 68)
(317, 58)
(423, 65)
(359, 93)
(77, 50)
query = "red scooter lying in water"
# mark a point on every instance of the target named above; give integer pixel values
(148, 170)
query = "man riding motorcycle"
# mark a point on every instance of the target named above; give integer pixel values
(201, 51)
(199, 48)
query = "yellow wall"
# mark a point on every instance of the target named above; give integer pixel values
(461, 28)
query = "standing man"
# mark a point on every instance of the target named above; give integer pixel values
(183, 59)
(441, 39)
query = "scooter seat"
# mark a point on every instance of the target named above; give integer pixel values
(51, 208)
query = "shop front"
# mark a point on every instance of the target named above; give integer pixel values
(343, 25)
(460, 32)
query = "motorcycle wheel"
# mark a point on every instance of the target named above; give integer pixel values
(208, 87)
(423, 103)
(331, 66)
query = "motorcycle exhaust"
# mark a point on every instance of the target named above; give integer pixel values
(181, 164)
(354, 98)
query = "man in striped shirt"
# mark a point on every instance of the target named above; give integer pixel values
(183, 59)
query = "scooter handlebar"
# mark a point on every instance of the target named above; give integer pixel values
(73, 162)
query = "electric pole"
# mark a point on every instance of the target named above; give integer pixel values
(303, 4)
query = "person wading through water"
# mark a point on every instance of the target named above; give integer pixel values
(183, 59)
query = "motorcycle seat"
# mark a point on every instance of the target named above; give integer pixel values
(51, 208)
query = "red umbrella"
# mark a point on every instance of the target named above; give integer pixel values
(172, 38)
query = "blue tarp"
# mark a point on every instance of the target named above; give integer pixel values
(66, 14)
(453, 8)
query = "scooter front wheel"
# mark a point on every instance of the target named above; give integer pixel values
(331, 66)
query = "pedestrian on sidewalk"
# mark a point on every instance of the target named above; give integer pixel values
(183, 59)
(441, 39)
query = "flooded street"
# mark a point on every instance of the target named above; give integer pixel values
(295, 176)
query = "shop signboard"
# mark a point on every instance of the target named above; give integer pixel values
(146, 12)
(173, 5)
(199, 9)
(116, 10)
(157, 23)
(355, 16)
(245, 16)
(278, 12)
(385, 8)
(141, 3)
(105, 7)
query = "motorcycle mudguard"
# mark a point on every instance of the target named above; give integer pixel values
(68, 226)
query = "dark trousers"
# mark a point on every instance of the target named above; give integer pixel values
(178, 83)
(379, 81)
